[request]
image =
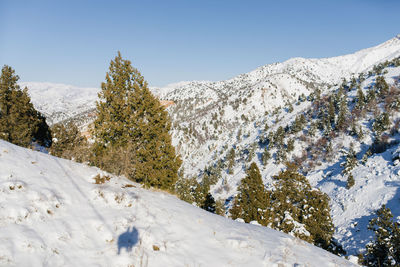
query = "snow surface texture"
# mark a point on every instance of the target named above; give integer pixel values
(53, 214)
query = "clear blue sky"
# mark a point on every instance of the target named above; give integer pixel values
(73, 42)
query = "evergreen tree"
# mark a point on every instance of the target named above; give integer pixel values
(265, 156)
(381, 86)
(209, 204)
(251, 201)
(381, 124)
(294, 202)
(231, 160)
(219, 207)
(350, 161)
(350, 181)
(343, 115)
(130, 120)
(360, 99)
(20, 122)
(385, 249)
(68, 142)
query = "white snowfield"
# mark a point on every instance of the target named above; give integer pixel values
(53, 214)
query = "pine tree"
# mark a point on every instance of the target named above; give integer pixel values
(209, 203)
(381, 86)
(131, 121)
(381, 124)
(295, 202)
(20, 122)
(350, 161)
(350, 181)
(231, 160)
(360, 99)
(385, 249)
(266, 156)
(343, 114)
(251, 201)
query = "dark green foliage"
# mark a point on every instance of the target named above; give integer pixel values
(69, 143)
(231, 160)
(250, 203)
(360, 99)
(350, 181)
(381, 86)
(280, 155)
(342, 119)
(185, 189)
(298, 124)
(193, 192)
(20, 122)
(381, 124)
(294, 200)
(219, 207)
(131, 130)
(350, 161)
(385, 249)
(265, 156)
(209, 203)
(290, 145)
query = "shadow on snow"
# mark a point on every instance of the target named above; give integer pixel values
(128, 239)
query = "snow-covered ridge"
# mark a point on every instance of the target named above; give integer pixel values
(53, 214)
(60, 101)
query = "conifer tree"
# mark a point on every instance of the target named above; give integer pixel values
(381, 86)
(360, 99)
(231, 160)
(68, 142)
(385, 249)
(251, 201)
(266, 156)
(343, 114)
(209, 203)
(295, 202)
(350, 161)
(20, 122)
(132, 122)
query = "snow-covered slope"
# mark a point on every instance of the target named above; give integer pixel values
(53, 214)
(60, 101)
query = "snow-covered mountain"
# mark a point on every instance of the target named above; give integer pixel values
(210, 118)
(59, 102)
(54, 214)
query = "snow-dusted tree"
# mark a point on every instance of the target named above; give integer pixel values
(381, 124)
(350, 181)
(131, 121)
(300, 209)
(342, 118)
(381, 86)
(385, 249)
(350, 162)
(360, 98)
(265, 156)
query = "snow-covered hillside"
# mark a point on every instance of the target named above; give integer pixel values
(53, 214)
(60, 101)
